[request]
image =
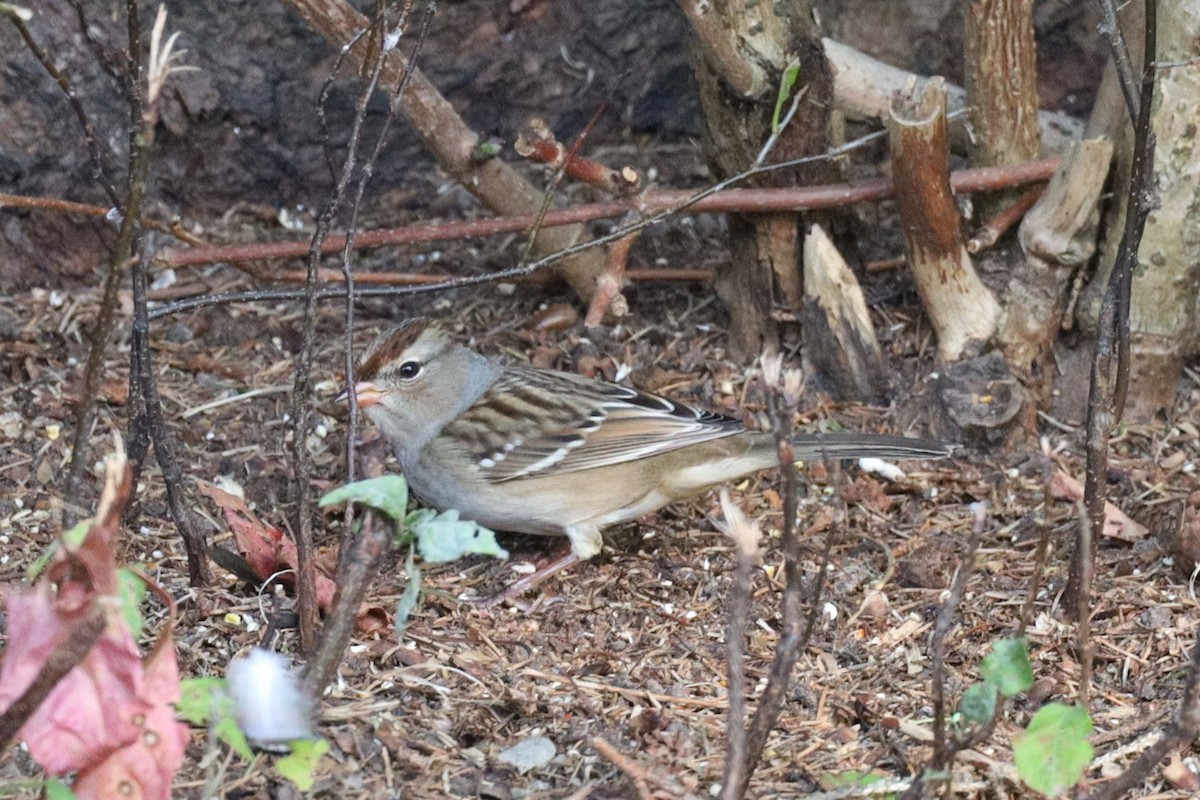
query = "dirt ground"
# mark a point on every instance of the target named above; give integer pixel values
(628, 648)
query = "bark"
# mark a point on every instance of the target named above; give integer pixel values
(742, 50)
(962, 310)
(1163, 321)
(452, 143)
(839, 339)
(1001, 62)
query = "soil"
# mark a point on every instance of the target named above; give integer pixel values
(628, 648)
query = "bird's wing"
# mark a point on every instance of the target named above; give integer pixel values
(532, 422)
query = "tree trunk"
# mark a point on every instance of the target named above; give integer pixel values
(742, 50)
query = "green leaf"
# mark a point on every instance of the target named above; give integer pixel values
(132, 591)
(205, 702)
(978, 702)
(387, 494)
(445, 537)
(195, 703)
(57, 790)
(851, 779)
(1007, 666)
(1054, 750)
(412, 593)
(302, 762)
(790, 73)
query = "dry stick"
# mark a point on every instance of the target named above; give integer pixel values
(636, 772)
(944, 751)
(1081, 612)
(69, 207)
(301, 422)
(146, 419)
(548, 151)
(99, 174)
(1183, 731)
(746, 538)
(1106, 403)
(452, 142)
(797, 627)
(1043, 545)
(997, 226)
(548, 193)
(105, 318)
(416, 279)
(610, 283)
(368, 168)
(359, 566)
(1111, 29)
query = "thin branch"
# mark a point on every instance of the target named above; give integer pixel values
(1111, 29)
(301, 408)
(69, 207)
(147, 421)
(1106, 396)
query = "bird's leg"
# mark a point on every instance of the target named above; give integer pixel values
(527, 582)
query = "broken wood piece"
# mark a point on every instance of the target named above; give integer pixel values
(863, 88)
(840, 344)
(963, 311)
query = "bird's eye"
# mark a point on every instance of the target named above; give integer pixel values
(410, 369)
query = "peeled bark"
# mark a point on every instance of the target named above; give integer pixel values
(863, 88)
(963, 311)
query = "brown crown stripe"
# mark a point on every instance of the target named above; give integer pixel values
(391, 346)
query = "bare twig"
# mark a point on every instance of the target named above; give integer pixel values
(1111, 29)
(619, 182)
(301, 411)
(1043, 545)
(1106, 392)
(946, 748)
(641, 777)
(352, 230)
(746, 536)
(1183, 731)
(969, 180)
(146, 421)
(69, 207)
(1010, 215)
(796, 627)
(358, 565)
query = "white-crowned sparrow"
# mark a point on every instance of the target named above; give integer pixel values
(534, 451)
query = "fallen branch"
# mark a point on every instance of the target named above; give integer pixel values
(731, 200)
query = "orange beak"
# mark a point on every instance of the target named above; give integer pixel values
(366, 392)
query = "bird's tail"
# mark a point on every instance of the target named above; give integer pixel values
(832, 446)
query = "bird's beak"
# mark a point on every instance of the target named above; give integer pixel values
(366, 392)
